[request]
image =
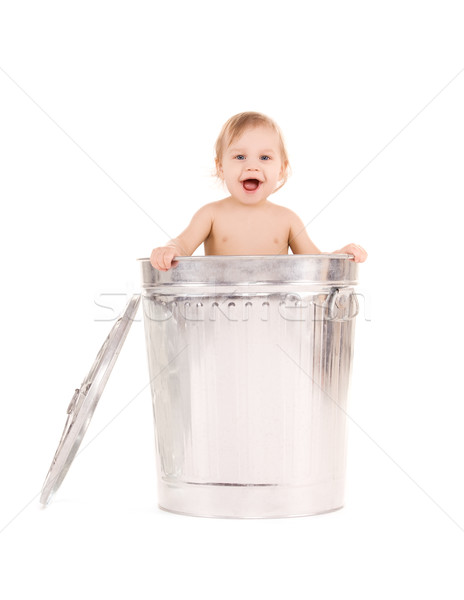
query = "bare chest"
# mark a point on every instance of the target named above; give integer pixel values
(253, 233)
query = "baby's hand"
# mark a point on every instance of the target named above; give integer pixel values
(161, 258)
(358, 252)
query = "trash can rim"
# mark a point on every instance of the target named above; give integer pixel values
(255, 256)
(251, 270)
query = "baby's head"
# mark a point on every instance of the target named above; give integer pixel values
(240, 123)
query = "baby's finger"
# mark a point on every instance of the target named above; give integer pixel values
(167, 259)
(153, 259)
(360, 254)
(156, 259)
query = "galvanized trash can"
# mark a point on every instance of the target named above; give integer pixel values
(249, 360)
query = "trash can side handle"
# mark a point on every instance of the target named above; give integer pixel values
(331, 305)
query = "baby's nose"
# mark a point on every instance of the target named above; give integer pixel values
(252, 169)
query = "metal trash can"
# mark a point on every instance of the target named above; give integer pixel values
(249, 360)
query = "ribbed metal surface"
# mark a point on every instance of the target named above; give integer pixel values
(250, 383)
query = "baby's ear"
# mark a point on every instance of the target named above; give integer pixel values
(283, 171)
(219, 170)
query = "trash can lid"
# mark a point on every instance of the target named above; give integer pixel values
(85, 400)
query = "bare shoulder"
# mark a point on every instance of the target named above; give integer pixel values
(215, 206)
(284, 213)
(220, 204)
(207, 211)
(218, 208)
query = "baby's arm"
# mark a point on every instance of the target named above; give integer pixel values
(300, 242)
(187, 242)
(298, 239)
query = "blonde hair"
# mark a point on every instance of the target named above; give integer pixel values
(236, 125)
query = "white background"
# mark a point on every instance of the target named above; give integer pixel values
(109, 113)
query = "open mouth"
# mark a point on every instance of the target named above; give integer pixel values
(251, 185)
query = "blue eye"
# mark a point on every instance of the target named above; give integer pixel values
(240, 157)
(265, 157)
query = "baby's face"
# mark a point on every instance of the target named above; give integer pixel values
(251, 166)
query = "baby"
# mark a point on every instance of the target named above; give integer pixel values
(252, 161)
